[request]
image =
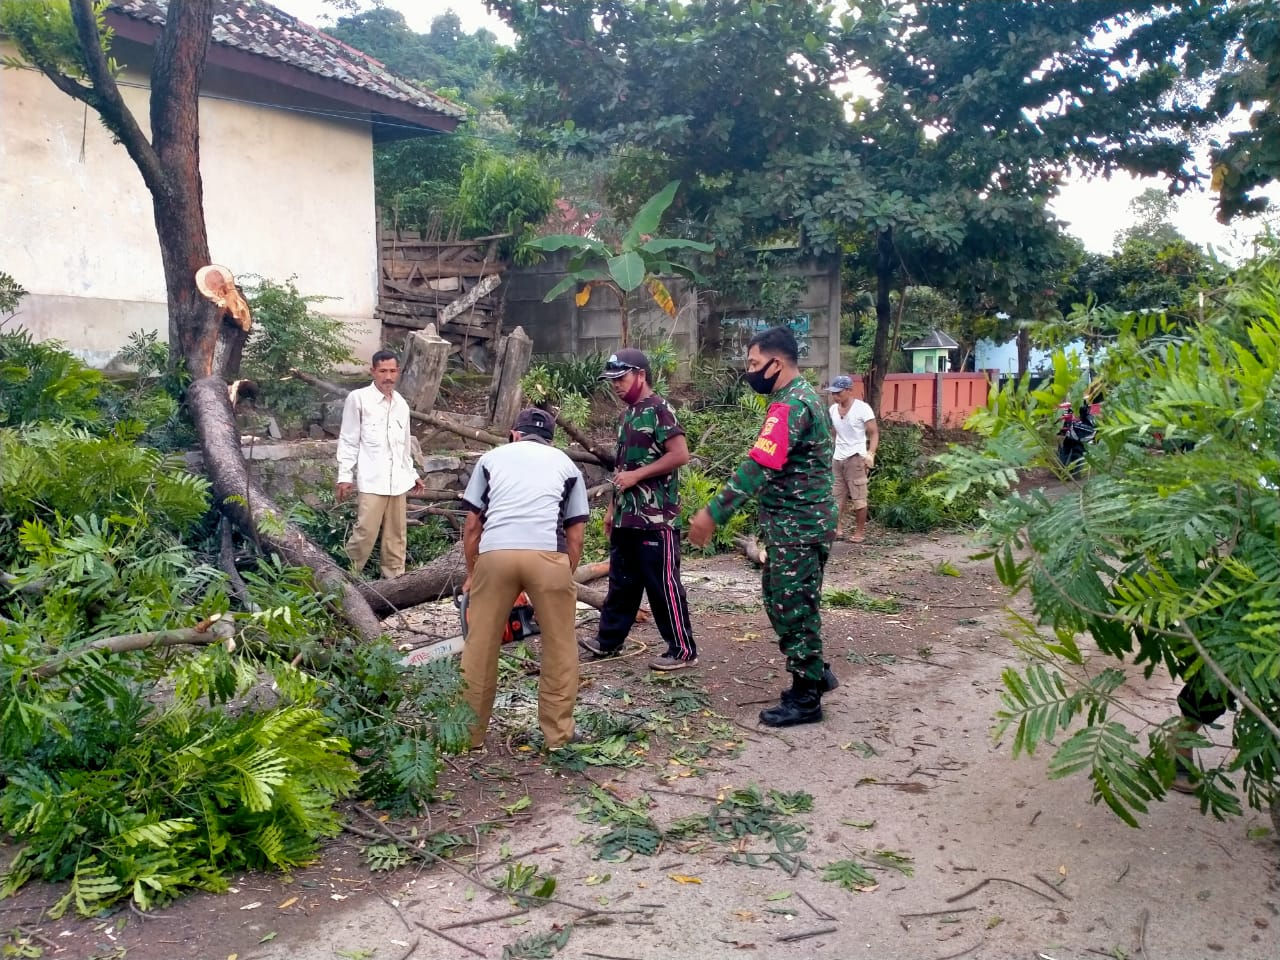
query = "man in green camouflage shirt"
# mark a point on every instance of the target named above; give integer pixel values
(789, 470)
(644, 550)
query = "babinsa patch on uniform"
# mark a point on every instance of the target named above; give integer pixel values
(773, 444)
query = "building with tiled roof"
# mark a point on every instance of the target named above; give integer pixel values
(288, 120)
(256, 39)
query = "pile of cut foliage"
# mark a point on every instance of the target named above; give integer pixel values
(160, 731)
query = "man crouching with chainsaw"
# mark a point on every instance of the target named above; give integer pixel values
(528, 508)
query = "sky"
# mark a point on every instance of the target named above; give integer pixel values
(1094, 210)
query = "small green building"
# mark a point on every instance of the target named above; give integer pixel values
(930, 353)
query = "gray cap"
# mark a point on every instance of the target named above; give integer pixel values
(842, 382)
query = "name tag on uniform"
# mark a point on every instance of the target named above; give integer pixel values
(774, 442)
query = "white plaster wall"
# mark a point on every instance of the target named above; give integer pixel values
(286, 192)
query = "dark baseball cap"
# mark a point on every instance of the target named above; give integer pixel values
(625, 360)
(842, 382)
(536, 422)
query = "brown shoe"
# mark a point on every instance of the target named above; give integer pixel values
(667, 664)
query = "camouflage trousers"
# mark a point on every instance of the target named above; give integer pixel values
(792, 588)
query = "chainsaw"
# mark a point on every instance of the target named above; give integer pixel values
(521, 624)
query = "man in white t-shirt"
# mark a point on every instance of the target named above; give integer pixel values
(857, 436)
(527, 510)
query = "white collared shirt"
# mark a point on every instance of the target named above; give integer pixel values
(851, 428)
(373, 447)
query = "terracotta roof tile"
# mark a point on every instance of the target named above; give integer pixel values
(267, 31)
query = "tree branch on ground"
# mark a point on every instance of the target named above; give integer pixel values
(212, 631)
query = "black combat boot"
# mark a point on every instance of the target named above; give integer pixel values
(828, 683)
(801, 704)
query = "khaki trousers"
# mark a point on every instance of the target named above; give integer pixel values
(375, 512)
(498, 578)
(850, 483)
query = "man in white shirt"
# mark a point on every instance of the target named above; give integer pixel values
(857, 436)
(528, 510)
(374, 462)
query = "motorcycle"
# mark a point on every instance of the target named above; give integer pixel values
(1076, 430)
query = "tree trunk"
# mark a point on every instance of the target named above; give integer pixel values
(1024, 350)
(200, 335)
(201, 338)
(244, 501)
(885, 262)
(438, 580)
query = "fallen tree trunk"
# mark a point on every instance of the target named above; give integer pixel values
(242, 499)
(604, 458)
(204, 633)
(751, 547)
(591, 571)
(438, 580)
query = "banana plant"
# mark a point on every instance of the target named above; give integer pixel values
(638, 260)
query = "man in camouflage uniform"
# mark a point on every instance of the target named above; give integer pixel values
(789, 470)
(644, 550)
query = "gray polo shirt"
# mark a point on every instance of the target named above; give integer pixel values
(526, 493)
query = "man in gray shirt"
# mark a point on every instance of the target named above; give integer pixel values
(528, 510)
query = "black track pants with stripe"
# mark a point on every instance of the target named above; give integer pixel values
(646, 562)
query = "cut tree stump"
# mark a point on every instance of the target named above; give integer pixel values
(505, 397)
(424, 364)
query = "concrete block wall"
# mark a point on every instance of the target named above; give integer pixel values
(701, 325)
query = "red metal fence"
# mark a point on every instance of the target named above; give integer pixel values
(934, 399)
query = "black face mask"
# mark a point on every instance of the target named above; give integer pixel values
(761, 382)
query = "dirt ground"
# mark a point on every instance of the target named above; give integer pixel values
(969, 852)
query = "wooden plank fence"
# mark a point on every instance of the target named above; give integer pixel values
(451, 283)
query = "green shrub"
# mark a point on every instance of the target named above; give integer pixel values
(696, 490)
(902, 494)
(556, 379)
(11, 294)
(288, 333)
(50, 471)
(42, 381)
(128, 793)
(126, 774)
(715, 382)
(501, 194)
(720, 437)
(134, 775)
(400, 722)
(154, 398)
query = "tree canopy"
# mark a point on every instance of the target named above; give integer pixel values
(1162, 550)
(923, 140)
(1248, 158)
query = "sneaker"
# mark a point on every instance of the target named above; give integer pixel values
(666, 664)
(598, 652)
